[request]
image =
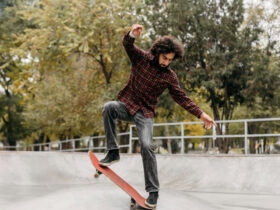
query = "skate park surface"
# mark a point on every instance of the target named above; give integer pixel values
(64, 181)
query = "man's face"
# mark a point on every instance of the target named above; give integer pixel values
(165, 59)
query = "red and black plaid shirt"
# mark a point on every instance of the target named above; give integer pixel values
(147, 82)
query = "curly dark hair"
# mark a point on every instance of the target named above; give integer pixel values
(167, 44)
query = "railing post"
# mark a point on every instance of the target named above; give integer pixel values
(74, 146)
(130, 139)
(90, 144)
(245, 137)
(262, 146)
(214, 136)
(182, 139)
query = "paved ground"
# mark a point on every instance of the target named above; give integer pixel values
(64, 181)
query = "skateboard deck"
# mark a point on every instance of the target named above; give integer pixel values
(119, 181)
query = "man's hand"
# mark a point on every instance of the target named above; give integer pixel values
(136, 30)
(207, 120)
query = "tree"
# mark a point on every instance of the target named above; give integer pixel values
(219, 50)
(76, 62)
(263, 94)
(10, 73)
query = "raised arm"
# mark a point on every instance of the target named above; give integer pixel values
(134, 53)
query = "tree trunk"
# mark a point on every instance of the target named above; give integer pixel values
(96, 142)
(186, 143)
(174, 144)
(252, 146)
(77, 143)
(136, 147)
(10, 136)
(226, 140)
(65, 145)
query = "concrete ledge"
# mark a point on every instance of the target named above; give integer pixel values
(181, 172)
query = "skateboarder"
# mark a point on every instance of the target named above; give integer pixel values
(150, 76)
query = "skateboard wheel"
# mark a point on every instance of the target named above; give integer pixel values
(132, 203)
(97, 174)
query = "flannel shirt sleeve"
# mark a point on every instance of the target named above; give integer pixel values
(134, 53)
(182, 99)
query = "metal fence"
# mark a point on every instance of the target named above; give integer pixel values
(88, 143)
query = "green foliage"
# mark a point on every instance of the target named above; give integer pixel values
(222, 59)
(217, 52)
(67, 104)
(76, 63)
(61, 60)
(11, 107)
(12, 127)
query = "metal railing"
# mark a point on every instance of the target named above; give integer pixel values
(88, 142)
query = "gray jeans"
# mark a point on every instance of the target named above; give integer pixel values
(117, 110)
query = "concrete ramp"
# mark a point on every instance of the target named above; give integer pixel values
(64, 181)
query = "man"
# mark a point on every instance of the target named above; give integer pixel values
(150, 76)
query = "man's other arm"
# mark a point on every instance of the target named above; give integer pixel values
(182, 99)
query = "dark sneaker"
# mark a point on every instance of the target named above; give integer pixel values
(112, 156)
(151, 201)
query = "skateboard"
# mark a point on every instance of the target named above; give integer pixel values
(135, 196)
